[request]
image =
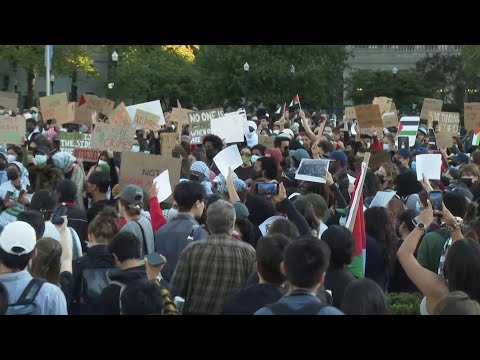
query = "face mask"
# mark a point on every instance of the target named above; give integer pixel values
(41, 159)
(210, 154)
(467, 181)
(194, 177)
(386, 147)
(11, 158)
(34, 116)
(255, 158)
(12, 174)
(276, 132)
(103, 162)
(135, 148)
(414, 165)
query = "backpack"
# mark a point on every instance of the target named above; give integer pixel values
(312, 308)
(25, 304)
(122, 288)
(93, 282)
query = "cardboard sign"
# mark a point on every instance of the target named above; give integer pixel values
(168, 141)
(384, 103)
(430, 105)
(377, 158)
(140, 169)
(267, 141)
(368, 116)
(9, 100)
(111, 137)
(119, 116)
(147, 120)
(71, 141)
(390, 119)
(200, 123)
(72, 106)
(444, 140)
(393, 108)
(153, 107)
(350, 112)
(448, 122)
(472, 116)
(12, 130)
(95, 103)
(55, 107)
(180, 116)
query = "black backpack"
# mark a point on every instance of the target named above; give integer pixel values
(93, 282)
(312, 308)
(25, 304)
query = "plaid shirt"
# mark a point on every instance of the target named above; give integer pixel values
(208, 269)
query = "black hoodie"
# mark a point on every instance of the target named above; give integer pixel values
(108, 302)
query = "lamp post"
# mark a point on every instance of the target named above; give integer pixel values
(114, 61)
(292, 71)
(246, 69)
(52, 81)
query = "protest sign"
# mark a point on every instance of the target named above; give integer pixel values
(228, 128)
(180, 116)
(444, 140)
(472, 116)
(12, 130)
(79, 145)
(267, 141)
(430, 165)
(111, 137)
(377, 158)
(153, 107)
(314, 170)
(350, 112)
(9, 100)
(146, 120)
(119, 116)
(200, 123)
(55, 107)
(384, 103)
(382, 198)
(448, 122)
(265, 226)
(164, 188)
(168, 141)
(390, 119)
(368, 116)
(228, 157)
(141, 169)
(430, 105)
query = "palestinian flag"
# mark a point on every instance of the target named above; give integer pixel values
(357, 266)
(408, 126)
(281, 109)
(295, 101)
(476, 137)
(278, 110)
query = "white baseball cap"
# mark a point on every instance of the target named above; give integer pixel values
(18, 238)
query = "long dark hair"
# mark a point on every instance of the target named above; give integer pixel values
(378, 224)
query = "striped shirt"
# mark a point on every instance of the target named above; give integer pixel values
(209, 269)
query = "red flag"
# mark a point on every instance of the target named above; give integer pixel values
(82, 100)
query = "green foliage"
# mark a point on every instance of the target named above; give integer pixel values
(404, 303)
(68, 59)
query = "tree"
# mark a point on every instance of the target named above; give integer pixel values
(70, 60)
(318, 70)
(406, 89)
(471, 58)
(29, 57)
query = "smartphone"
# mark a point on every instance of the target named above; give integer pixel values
(155, 259)
(403, 142)
(431, 140)
(436, 199)
(59, 213)
(265, 189)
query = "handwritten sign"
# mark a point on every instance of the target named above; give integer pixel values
(95, 103)
(448, 122)
(153, 107)
(9, 100)
(430, 105)
(79, 145)
(350, 112)
(444, 140)
(180, 116)
(119, 116)
(267, 141)
(168, 141)
(140, 169)
(55, 107)
(12, 130)
(472, 116)
(384, 103)
(107, 136)
(86, 155)
(200, 123)
(368, 116)
(390, 119)
(147, 120)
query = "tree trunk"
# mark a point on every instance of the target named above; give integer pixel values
(73, 90)
(30, 87)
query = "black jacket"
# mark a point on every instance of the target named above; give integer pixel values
(77, 219)
(109, 301)
(337, 280)
(252, 298)
(97, 256)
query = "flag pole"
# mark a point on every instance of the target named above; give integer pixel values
(47, 65)
(299, 104)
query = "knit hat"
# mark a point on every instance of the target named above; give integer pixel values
(299, 154)
(241, 210)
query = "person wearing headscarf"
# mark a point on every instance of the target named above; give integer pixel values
(200, 172)
(72, 171)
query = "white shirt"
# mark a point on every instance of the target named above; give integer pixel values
(321, 229)
(7, 187)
